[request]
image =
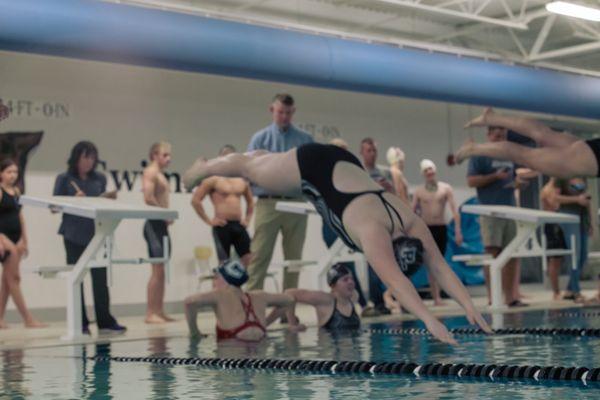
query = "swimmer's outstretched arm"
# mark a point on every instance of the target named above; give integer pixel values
(377, 247)
(437, 266)
(192, 304)
(280, 301)
(296, 295)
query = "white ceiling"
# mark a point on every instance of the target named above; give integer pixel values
(516, 31)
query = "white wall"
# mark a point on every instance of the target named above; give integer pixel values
(123, 109)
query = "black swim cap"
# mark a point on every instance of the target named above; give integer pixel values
(335, 273)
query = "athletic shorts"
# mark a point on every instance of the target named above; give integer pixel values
(555, 238)
(233, 234)
(439, 233)
(154, 231)
(497, 232)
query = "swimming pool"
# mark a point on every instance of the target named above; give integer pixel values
(64, 372)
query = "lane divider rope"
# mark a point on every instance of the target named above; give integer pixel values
(481, 371)
(589, 332)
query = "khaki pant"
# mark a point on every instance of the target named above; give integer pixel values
(497, 232)
(268, 223)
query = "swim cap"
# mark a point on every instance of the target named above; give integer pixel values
(425, 163)
(394, 154)
(339, 142)
(233, 272)
(335, 273)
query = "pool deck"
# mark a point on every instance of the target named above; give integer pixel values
(16, 336)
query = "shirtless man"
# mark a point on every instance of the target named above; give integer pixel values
(429, 200)
(229, 229)
(555, 239)
(156, 193)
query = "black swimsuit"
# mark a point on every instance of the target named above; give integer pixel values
(595, 146)
(10, 221)
(316, 163)
(340, 321)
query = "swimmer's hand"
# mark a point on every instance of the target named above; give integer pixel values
(458, 237)
(197, 335)
(295, 328)
(583, 200)
(110, 195)
(216, 221)
(439, 331)
(475, 318)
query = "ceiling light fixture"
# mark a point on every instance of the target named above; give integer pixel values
(574, 10)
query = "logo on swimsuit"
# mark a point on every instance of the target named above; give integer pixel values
(409, 254)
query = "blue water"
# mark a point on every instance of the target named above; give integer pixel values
(63, 373)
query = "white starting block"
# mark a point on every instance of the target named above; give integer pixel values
(473, 260)
(337, 253)
(524, 244)
(107, 214)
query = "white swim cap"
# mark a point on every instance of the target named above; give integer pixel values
(394, 154)
(425, 163)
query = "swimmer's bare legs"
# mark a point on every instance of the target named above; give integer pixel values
(535, 130)
(277, 173)
(155, 293)
(435, 291)
(577, 159)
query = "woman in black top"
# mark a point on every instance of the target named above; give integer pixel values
(82, 179)
(13, 244)
(394, 240)
(335, 310)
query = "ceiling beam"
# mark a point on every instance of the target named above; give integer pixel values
(542, 35)
(566, 51)
(458, 14)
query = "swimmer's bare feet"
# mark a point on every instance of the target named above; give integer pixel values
(439, 303)
(556, 296)
(3, 325)
(35, 324)
(482, 120)
(167, 318)
(194, 175)
(465, 151)
(154, 319)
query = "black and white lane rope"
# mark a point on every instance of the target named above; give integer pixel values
(461, 371)
(589, 332)
(582, 314)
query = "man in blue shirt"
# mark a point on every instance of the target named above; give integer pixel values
(278, 137)
(495, 184)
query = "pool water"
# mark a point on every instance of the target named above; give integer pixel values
(65, 373)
